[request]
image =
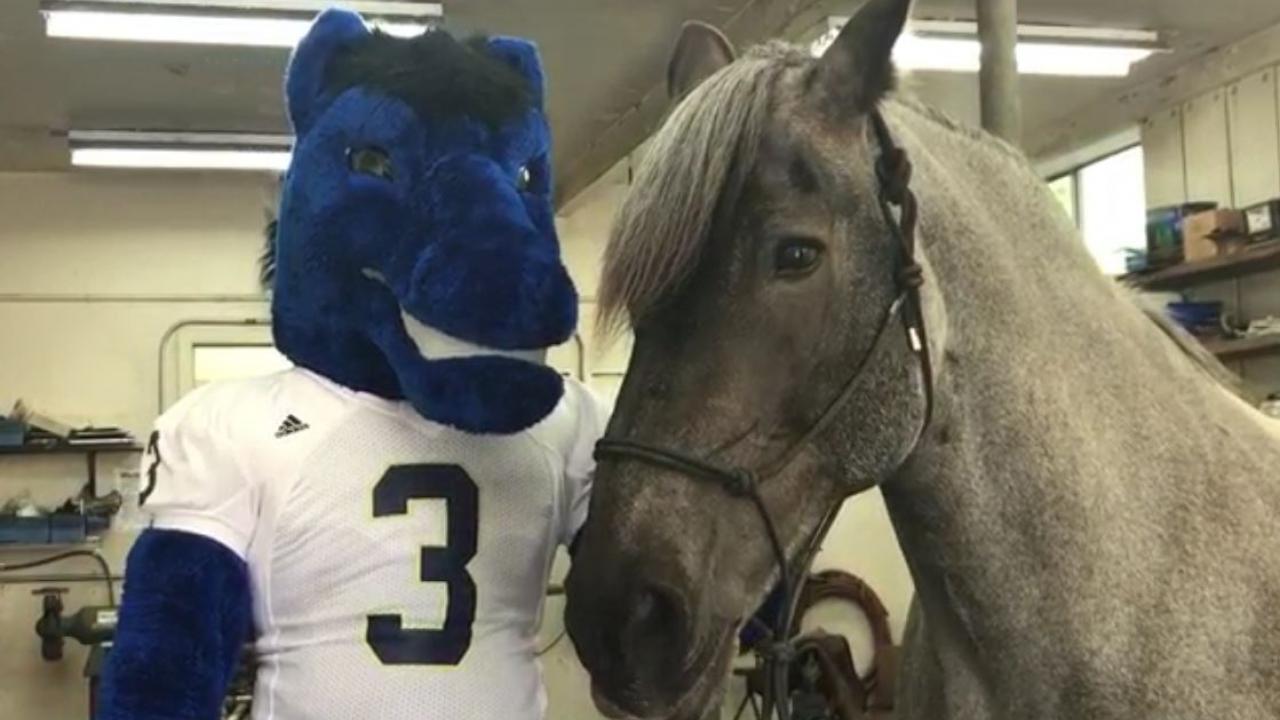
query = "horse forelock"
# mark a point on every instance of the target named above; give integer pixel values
(691, 174)
(692, 170)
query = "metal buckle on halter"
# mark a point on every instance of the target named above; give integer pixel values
(914, 336)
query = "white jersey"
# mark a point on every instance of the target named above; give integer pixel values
(398, 567)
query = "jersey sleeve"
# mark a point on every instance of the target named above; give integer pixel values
(192, 478)
(592, 417)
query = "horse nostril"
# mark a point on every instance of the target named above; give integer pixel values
(643, 608)
(656, 615)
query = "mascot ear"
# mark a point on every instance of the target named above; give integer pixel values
(332, 31)
(523, 56)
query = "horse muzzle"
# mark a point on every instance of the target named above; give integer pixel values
(634, 630)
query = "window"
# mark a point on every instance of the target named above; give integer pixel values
(1107, 201)
(1113, 217)
(1064, 188)
(196, 352)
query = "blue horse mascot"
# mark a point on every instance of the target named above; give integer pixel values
(379, 520)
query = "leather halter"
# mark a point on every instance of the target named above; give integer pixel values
(893, 173)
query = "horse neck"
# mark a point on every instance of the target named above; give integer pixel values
(1069, 430)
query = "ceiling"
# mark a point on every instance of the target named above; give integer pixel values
(604, 59)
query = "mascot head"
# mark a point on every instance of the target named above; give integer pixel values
(415, 254)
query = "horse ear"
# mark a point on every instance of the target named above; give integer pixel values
(332, 31)
(857, 70)
(523, 56)
(699, 53)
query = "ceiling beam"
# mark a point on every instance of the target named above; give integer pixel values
(757, 21)
(1115, 111)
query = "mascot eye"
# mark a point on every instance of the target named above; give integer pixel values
(796, 256)
(523, 178)
(370, 161)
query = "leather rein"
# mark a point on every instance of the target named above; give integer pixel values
(900, 212)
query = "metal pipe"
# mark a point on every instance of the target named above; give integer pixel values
(170, 299)
(998, 77)
(56, 578)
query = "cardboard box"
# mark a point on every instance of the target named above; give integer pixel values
(1164, 232)
(1201, 231)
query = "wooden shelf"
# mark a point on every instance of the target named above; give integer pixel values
(69, 449)
(1257, 258)
(1242, 348)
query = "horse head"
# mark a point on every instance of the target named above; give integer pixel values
(416, 255)
(756, 265)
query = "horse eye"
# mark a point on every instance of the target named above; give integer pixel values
(523, 178)
(796, 256)
(370, 161)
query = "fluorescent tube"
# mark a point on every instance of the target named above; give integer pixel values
(209, 23)
(1042, 49)
(179, 151)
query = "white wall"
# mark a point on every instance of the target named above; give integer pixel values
(1224, 145)
(94, 269)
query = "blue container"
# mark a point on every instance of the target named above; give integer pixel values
(1197, 316)
(66, 528)
(12, 433)
(95, 525)
(24, 531)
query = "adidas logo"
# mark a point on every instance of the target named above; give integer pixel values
(290, 426)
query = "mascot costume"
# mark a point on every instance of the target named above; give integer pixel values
(379, 520)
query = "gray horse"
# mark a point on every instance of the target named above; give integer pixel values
(1090, 516)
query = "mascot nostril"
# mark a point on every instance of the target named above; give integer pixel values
(384, 515)
(502, 295)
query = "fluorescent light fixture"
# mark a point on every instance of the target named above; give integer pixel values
(257, 23)
(179, 151)
(1042, 49)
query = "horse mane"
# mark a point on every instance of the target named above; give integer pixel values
(982, 137)
(693, 168)
(436, 75)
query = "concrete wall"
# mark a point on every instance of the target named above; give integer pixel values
(1223, 145)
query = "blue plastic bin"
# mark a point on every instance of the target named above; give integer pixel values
(66, 528)
(12, 433)
(25, 531)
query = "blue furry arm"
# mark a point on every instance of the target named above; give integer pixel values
(185, 616)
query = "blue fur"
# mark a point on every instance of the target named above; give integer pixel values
(457, 244)
(185, 616)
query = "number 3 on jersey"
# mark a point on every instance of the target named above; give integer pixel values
(385, 633)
